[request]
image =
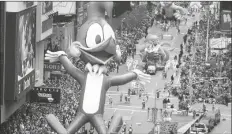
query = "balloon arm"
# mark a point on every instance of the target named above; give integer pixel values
(71, 69)
(181, 9)
(122, 79)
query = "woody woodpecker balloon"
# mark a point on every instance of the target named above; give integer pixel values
(96, 46)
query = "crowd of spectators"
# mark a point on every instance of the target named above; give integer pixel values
(208, 80)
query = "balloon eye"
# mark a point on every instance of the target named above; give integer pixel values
(98, 39)
(94, 35)
(108, 32)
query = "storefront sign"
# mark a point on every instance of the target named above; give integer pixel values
(225, 20)
(46, 25)
(52, 66)
(26, 83)
(52, 15)
(45, 95)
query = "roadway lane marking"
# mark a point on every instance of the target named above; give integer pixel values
(144, 111)
(226, 114)
(132, 111)
(128, 106)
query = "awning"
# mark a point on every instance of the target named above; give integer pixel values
(219, 43)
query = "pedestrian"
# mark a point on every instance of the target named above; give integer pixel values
(125, 98)
(164, 74)
(124, 127)
(130, 130)
(91, 131)
(169, 93)
(109, 122)
(121, 95)
(118, 67)
(128, 98)
(204, 108)
(143, 104)
(148, 110)
(164, 102)
(147, 96)
(172, 79)
(158, 94)
(140, 94)
(213, 106)
(172, 106)
(194, 114)
(188, 108)
(129, 91)
(168, 100)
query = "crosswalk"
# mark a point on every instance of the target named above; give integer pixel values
(131, 109)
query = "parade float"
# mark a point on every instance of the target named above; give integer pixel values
(96, 46)
(154, 55)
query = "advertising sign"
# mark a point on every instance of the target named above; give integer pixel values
(18, 6)
(26, 50)
(52, 66)
(64, 8)
(26, 43)
(20, 52)
(46, 7)
(226, 20)
(82, 12)
(45, 95)
(44, 19)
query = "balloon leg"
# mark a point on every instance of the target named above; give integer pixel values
(77, 123)
(99, 124)
(54, 123)
(116, 124)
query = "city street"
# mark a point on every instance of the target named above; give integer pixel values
(224, 127)
(132, 113)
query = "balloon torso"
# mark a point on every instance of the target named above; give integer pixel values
(93, 93)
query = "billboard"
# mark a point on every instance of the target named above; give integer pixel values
(64, 8)
(45, 95)
(26, 43)
(19, 5)
(44, 20)
(226, 20)
(82, 12)
(46, 6)
(20, 52)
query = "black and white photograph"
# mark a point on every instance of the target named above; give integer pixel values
(115, 67)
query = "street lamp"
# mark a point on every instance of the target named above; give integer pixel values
(154, 112)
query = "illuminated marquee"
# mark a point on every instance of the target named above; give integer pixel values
(45, 95)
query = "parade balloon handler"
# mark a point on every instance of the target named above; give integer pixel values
(96, 46)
